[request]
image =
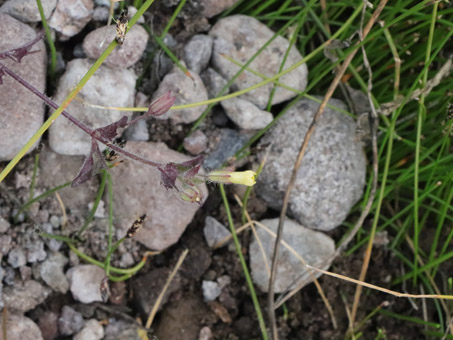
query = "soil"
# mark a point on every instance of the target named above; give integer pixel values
(232, 316)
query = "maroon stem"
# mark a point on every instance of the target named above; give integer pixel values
(75, 121)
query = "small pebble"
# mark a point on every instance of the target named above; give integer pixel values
(92, 330)
(71, 16)
(84, 281)
(245, 114)
(70, 321)
(197, 52)
(214, 231)
(211, 290)
(16, 257)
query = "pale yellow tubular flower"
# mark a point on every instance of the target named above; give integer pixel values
(247, 178)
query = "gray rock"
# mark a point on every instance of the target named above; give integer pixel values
(105, 3)
(211, 290)
(239, 37)
(27, 10)
(21, 112)
(23, 297)
(137, 191)
(197, 52)
(187, 90)
(5, 244)
(93, 330)
(214, 231)
(313, 246)
(196, 143)
(245, 114)
(228, 143)
(101, 13)
(70, 321)
(34, 249)
(51, 272)
(85, 281)
(19, 327)
(123, 56)
(138, 132)
(4, 225)
(132, 11)
(107, 87)
(16, 257)
(60, 169)
(71, 16)
(213, 7)
(213, 82)
(121, 330)
(127, 260)
(332, 175)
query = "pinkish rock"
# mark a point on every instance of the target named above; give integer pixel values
(21, 112)
(137, 191)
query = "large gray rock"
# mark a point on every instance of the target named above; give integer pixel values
(21, 112)
(313, 246)
(123, 56)
(332, 175)
(85, 282)
(240, 37)
(107, 87)
(19, 327)
(137, 191)
(27, 10)
(22, 297)
(187, 90)
(71, 16)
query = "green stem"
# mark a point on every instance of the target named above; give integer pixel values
(256, 304)
(33, 177)
(173, 18)
(110, 236)
(95, 205)
(420, 116)
(37, 198)
(53, 51)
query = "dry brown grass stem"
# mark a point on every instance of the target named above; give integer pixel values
(156, 305)
(384, 290)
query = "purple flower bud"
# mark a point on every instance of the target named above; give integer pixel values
(161, 105)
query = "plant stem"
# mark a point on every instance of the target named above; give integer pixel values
(53, 51)
(256, 304)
